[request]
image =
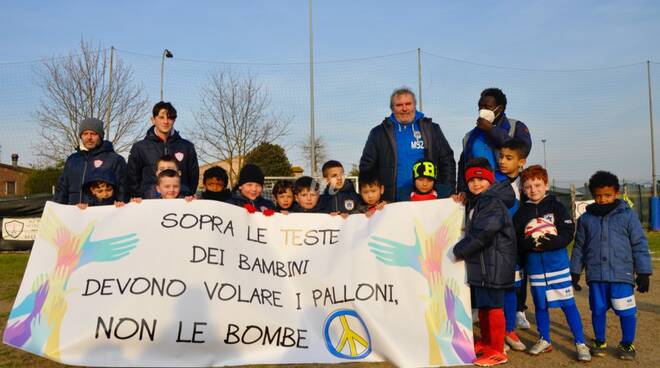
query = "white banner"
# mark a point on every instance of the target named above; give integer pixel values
(171, 283)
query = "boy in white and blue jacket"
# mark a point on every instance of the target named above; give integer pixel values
(547, 262)
(612, 246)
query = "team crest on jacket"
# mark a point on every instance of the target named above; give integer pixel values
(349, 204)
(98, 163)
(550, 217)
(179, 156)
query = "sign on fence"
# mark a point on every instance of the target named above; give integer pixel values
(171, 283)
(21, 229)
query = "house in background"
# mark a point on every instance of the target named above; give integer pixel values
(13, 178)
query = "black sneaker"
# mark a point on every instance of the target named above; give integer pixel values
(626, 351)
(598, 349)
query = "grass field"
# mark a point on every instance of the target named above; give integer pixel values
(12, 266)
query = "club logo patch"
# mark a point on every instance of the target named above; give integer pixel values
(98, 163)
(349, 204)
(179, 156)
(550, 217)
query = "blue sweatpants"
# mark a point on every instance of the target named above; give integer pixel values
(572, 317)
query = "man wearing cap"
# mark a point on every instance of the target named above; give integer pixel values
(404, 137)
(92, 154)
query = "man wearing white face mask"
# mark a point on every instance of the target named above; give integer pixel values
(492, 130)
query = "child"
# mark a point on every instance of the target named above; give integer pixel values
(164, 162)
(547, 258)
(512, 159)
(247, 193)
(424, 177)
(306, 193)
(215, 184)
(339, 197)
(612, 246)
(371, 193)
(100, 189)
(283, 194)
(168, 186)
(489, 251)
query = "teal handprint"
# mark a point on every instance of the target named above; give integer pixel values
(393, 253)
(107, 250)
(40, 333)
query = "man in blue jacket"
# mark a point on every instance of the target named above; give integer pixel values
(93, 154)
(492, 130)
(402, 139)
(161, 139)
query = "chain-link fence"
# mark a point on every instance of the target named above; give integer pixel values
(591, 119)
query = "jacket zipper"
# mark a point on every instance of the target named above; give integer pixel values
(82, 182)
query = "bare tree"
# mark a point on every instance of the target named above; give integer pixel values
(234, 118)
(77, 87)
(320, 152)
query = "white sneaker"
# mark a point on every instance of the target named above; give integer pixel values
(583, 354)
(541, 346)
(521, 321)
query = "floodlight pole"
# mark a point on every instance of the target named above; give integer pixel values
(648, 78)
(312, 134)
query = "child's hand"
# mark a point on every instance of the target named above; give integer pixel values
(136, 200)
(82, 206)
(189, 198)
(575, 279)
(380, 205)
(334, 213)
(642, 282)
(119, 204)
(370, 212)
(284, 212)
(344, 215)
(459, 197)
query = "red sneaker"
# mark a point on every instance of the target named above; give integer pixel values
(490, 358)
(479, 347)
(514, 342)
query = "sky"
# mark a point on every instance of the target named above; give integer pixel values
(539, 45)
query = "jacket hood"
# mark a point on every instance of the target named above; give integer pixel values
(348, 187)
(151, 135)
(105, 175)
(502, 191)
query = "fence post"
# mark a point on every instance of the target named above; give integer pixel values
(573, 203)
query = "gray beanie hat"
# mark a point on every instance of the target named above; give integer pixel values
(92, 124)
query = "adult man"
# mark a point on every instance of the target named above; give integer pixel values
(404, 137)
(161, 139)
(492, 130)
(93, 154)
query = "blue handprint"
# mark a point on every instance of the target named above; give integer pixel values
(107, 250)
(393, 253)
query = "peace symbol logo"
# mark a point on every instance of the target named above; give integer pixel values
(346, 335)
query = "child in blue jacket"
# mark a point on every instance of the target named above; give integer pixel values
(612, 246)
(544, 229)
